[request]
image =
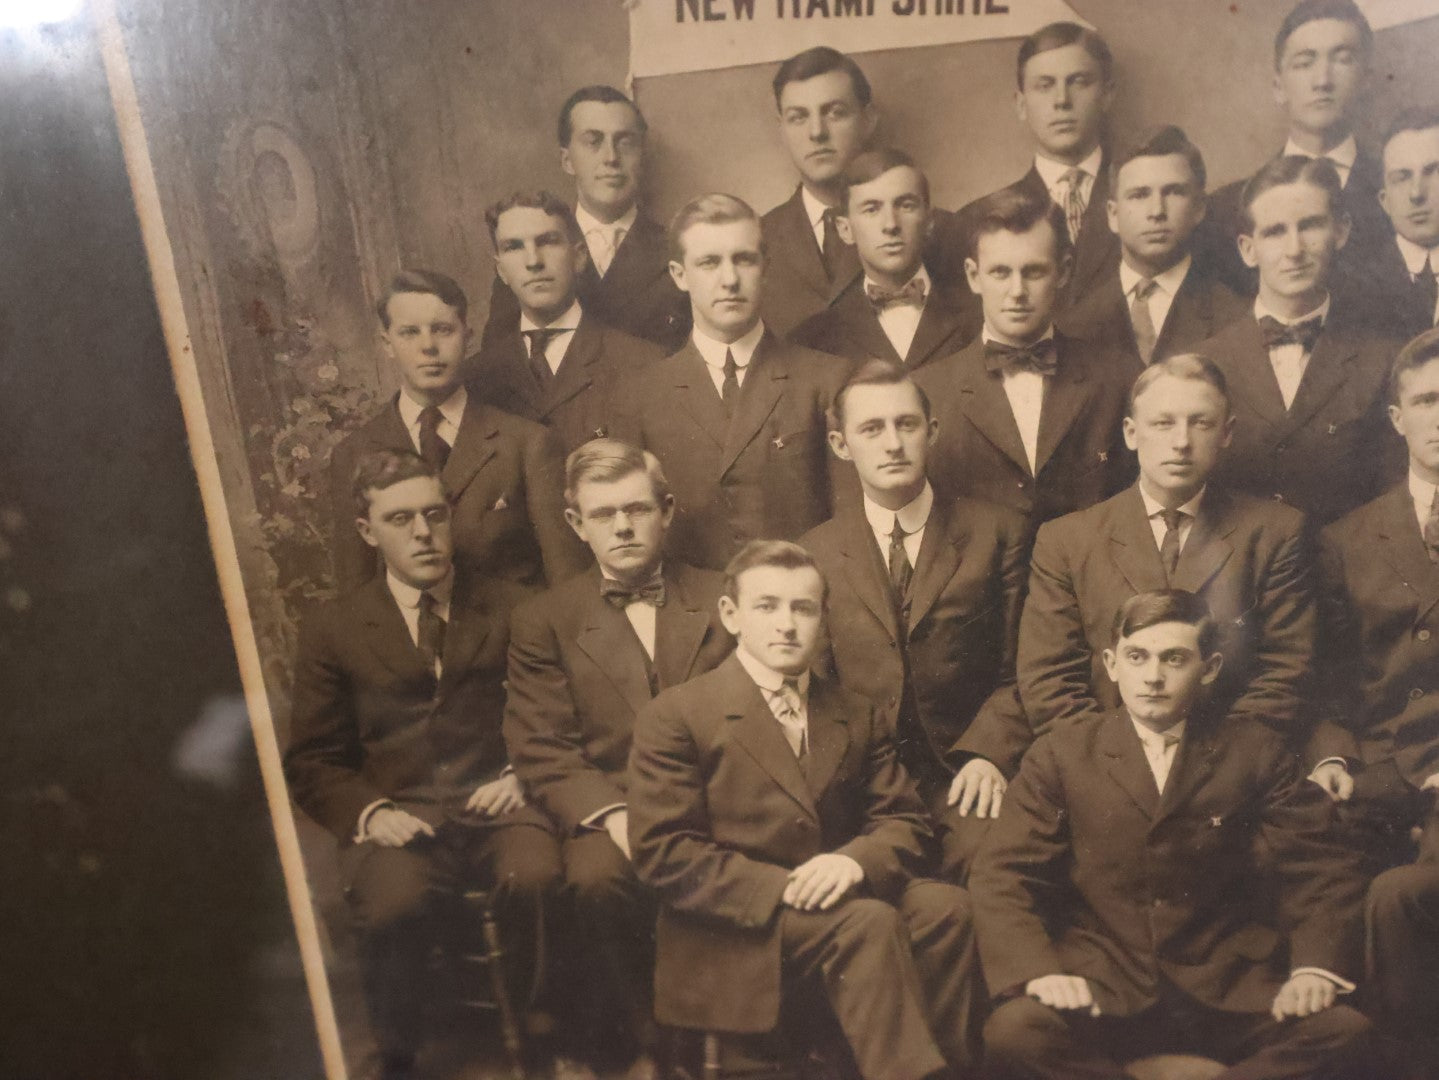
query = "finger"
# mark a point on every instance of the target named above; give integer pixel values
(833, 894)
(422, 826)
(809, 887)
(787, 897)
(955, 787)
(1044, 995)
(1082, 994)
(997, 803)
(967, 797)
(1067, 997)
(1346, 786)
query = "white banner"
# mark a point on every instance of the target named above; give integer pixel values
(672, 36)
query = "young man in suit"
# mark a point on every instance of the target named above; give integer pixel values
(1066, 87)
(1028, 417)
(737, 416)
(1307, 382)
(504, 475)
(1157, 302)
(1378, 750)
(1245, 557)
(584, 658)
(826, 117)
(625, 282)
(395, 747)
(894, 310)
(769, 812)
(1123, 907)
(924, 603)
(1322, 56)
(558, 364)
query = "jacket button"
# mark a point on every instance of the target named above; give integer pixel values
(1278, 497)
(1415, 694)
(1423, 635)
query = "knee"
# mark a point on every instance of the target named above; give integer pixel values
(602, 884)
(934, 909)
(1015, 1032)
(528, 877)
(1398, 891)
(1343, 1029)
(866, 917)
(379, 906)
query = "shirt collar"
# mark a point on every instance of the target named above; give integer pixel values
(589, 223)
(813, 208)
(568, 322)
(1168, 282)
(1322, 311)
(1152, 507)
(1345, 154)
(921, 275)
(767, 679)
(1158, 739)
(1422, 491)
(452, 408)
(1415, 256)
(407, 596)
(1051, 171)
(658, 574)
(713, 351)
(987, 335)
(912, 515)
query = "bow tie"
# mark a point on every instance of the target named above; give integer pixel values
(1040, 357)
(1303, 334)
(911, 294)
(621, 595)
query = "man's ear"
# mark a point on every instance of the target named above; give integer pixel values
(1211, 668)
(1246, 250)
(728, 613)
(1228, 431)
(576, 522)
(677, 275)
(843, 227)
(1111, 665)
(367, 534)
(933, 430)
(667, 511)
(1395, 415)
(565, 162)
(1066, 267)
(1021, 109)
(1342, 225)
(1111, 215)
(839, 446)
(971, 275)
(871, 122)
(1130, 433)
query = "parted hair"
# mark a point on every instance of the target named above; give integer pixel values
(380, 469)
(715, 208)
(777, 553)
(1056, 36)
(1290, 169)
(821, 60)
(1159, 142)
(429, 282)
(1192, 366)
(1422, 350)
(1146, 609)
(606, 95)
(547, 201)
(1414, 118)
(1308, 11)
(1012, 209)
(607, 460)
(871, 165)
(876, 371)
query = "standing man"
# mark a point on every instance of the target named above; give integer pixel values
(504, 476)
(1122, 902)
(1028, 418)
(895, 310)
(624, 283)
(1157, 302)
(584, 658)
(737, 416)
(1308, 382)
(924, 604)
(769, 812)
(1066, 88)
(395, 748)
(826, 117)
(1245, 557)
(558, 364)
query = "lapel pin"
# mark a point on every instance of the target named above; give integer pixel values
(1334, 429)
(600, 433)
(1104, 455)
(500, 504)
(1215, 822)
(778, 442)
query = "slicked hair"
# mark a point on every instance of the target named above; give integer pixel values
(606, 95)
(1308, 11)
(1292, 169)
(1160, 142)
(877, 371)
(606, 460)
(1147, 609)
(380, 469)
(1414, 118)
(821, 60)
(428, 282)
(781, 554)
(1422, 350)
(1191, 366)
(547, 201)
(871, 165)
(1012, 209)
(1056, 36)
(715, 208)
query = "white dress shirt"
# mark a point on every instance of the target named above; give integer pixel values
(1342, 157)
(1025, 391)
(564, 332)
(1423, 492)
(912, 518)
(1051, 172)
(1290, 361)
(771, 685)
(1160, 749)
(712, 352)
(1415, 258)
(451, 410)
(1155, 513)
(900, 321)
(641, 616)
(814, 211)
(603, 241)
(1160, 299)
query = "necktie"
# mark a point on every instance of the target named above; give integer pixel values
(1169, 547)
(910, 294)
(1428, 287)
(1040, 357)
(539, 361)
(433, 449)
(832, 251)
(1073, 181)
(900, 570)
(1161, 757)
(603, 243)
(729, 391)
(621, 595)
(1431, 529)
(1303, 334)
(785, 704)
(1145, 334)
(431, 633)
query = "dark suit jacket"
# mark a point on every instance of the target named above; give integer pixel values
(766, 472)
(1202, 307)
(1384, 296)
(505, 480)
(720, 811)
(1334, 447)
(577, 405)
(1381, 656)
(795, 284)
(950, 666)
(850, 328)
(1090, 872)
(637, 296)
(578, 675)
(1248, 558)
(368, 720)
(1081, 457)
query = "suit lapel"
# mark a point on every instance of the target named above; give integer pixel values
(1326, 372)
(1189, 317)
(759, 733)
(1131, 544)
(864, 568)
(807, 262)
(862, 322)
(1208, 547)
(761, 391)
(1254, 375)
(679, 631)
(634, 263)
(939, 320)
(609, 640)
(828, 737)
(940, 553)
(983, 400)
(473, 447)
(1402, 547)
(697, 393)
(1095, 238)
(576, 371)
(386, 633)
(465, 633)
(516, 387)
(1194, 760)
(1125, 762)
(1064, 400)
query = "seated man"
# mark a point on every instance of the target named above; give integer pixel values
(1121, 906)
(584, 658)
(769, 811)
(1379, 748)
(1246, 557)
(924, 604)
(895, 310)
(395, 748)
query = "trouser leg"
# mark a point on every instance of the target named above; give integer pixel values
(941, 937)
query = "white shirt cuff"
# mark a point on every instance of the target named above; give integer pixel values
(597, 819)
(361, 827)
(1334, 760)
(1345, 986)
